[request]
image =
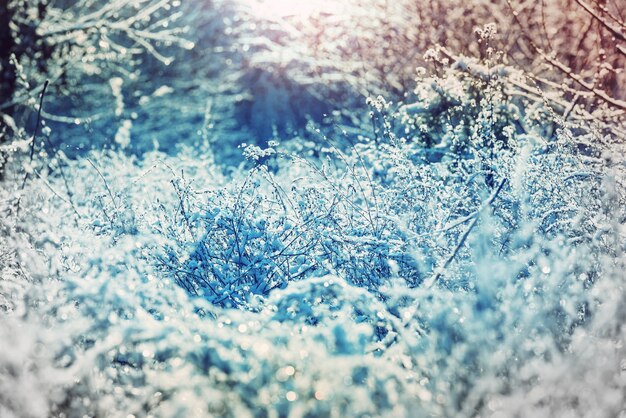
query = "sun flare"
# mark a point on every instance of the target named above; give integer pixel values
(302, 8)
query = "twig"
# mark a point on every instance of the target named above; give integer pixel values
(106, 184)
(36, 131)
(615, 31)
(620, 104)
(429, 283)
(32, 143)
(57, 194)
(571, 107)
(601, 94)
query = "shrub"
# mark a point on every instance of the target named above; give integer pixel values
(387, 207)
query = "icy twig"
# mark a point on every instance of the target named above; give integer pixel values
(474, 217)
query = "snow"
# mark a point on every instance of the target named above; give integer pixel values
(242, 234)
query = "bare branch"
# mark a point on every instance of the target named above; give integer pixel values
(601, 94)
(615, 31)
(486, 204)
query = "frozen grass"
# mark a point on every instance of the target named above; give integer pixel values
(374, 280)
(458, 254)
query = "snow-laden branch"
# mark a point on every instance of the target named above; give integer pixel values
(568, 72)
(615, 31)
(474, 217)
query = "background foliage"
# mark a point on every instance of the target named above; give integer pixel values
(368, 209)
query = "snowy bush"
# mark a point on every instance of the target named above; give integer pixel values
(363, 212)
(477, 335)
(514, 230)
(450, 248)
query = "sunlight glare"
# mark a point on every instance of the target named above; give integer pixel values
(302, 8)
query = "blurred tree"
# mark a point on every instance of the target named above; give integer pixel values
(18, 37)
(7, 77)
(71, 41)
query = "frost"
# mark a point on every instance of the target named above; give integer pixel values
(116, 88)
(122, 136)
(487, 32)
(253, 152)
(446, 240)
(162, 91)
